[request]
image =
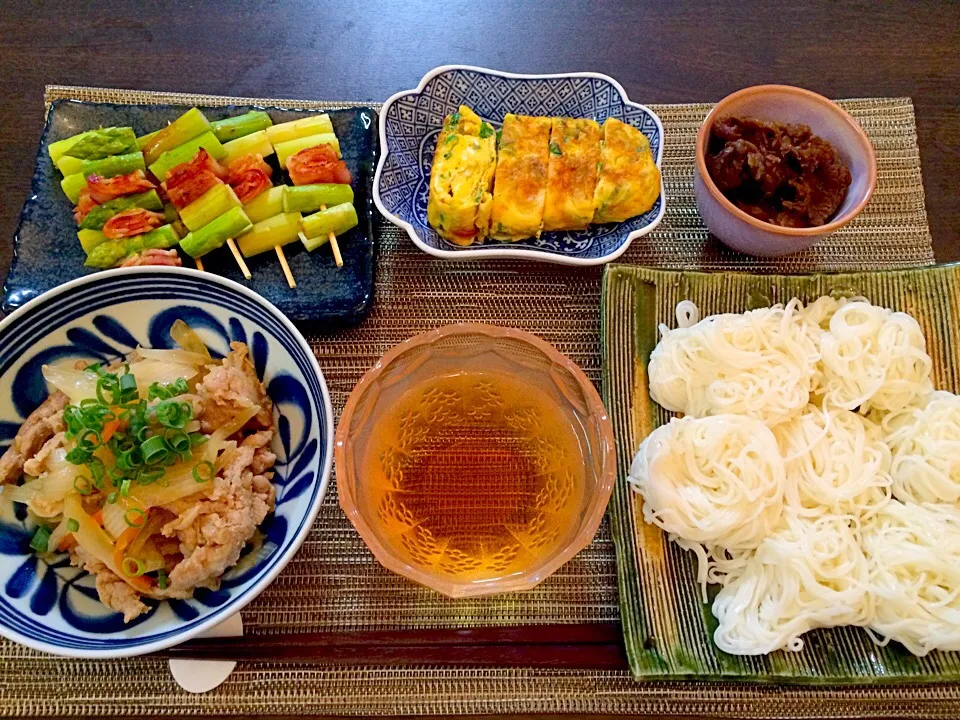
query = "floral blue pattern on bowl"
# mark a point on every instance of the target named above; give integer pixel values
(410, 122)
(52, 606)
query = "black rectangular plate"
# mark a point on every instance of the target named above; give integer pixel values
(46, 252)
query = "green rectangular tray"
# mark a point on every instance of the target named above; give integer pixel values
(667, 629)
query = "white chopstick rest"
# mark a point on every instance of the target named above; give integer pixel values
(200, 676)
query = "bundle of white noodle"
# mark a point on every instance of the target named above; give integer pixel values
(809, 574)
(925, 441)
(914, 554)
(873, 359)
(839, 461)
(711, 483)
(761, 363)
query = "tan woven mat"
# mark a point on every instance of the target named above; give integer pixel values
(334, 583)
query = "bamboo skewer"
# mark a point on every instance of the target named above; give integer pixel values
(334, 245)
(285, 266)
(239, 258)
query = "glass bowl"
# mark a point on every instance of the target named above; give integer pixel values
(475, 460)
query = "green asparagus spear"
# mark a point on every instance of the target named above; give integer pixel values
(209, 206)
(59, 148)
(69, 165)
(114, 165)
(97, 145)
(292, 147)
(96, 218)
(72, 185)
(184, 128)
(309, 198)
(170, 213)
(253, 143)
(144, 140)
(104, 142)
(235, 127)
(304, 127)
(267, 234)
(265, 205)
(214, 234)
(185, 153)
(111, 252)
(89, 239)
(337, 220)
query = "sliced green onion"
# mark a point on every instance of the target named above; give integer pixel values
(197, 438)
(94, 367)
(154, 450)
(108, 383)
(41, 538)
(203, 471)
(79, 456)
(135, 517)
(132, 567)
(128, 387)
(172, 414)
(98, 470)
(72, 525)
(177, 440)
(125, 488)
(158, 392)
(162, 579)
(73, 419)
(130, 459)
(179, 386)
(82, 484)
(150, 475)
(112, 497)
(89, 439)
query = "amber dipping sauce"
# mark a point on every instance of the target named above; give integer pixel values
(476, 475)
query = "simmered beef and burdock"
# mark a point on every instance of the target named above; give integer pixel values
(779, 173)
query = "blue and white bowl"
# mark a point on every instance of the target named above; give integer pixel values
(52, 606)
(410, 122)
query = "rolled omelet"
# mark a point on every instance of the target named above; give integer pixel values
(571, 174)
(461, 178)
(520, 184)
(629, 180)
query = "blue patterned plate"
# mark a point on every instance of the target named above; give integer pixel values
(52, 606)
(46, 252)
(410, 123)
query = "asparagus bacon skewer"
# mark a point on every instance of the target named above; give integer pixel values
(241, 125)
(295, 129)
(324, 226)
(273, 232)
(218, 232)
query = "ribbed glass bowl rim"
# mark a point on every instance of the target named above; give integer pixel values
(597, 503)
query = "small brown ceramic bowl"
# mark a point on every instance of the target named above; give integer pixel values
(785, 104)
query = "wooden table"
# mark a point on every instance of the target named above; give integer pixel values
(680, 51)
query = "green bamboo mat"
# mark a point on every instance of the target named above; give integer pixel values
(334, 583)
(668, 629)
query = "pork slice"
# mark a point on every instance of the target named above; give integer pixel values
(230, 387)
(41, 425)
(213, 531)
(113, 591)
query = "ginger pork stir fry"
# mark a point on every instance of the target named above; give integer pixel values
(153, 472)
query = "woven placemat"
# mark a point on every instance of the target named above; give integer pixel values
(334, 583)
